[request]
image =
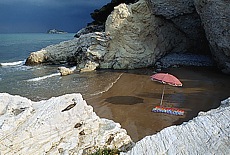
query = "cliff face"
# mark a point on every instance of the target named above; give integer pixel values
(139, 38)
(134, 38)
(205, 24)
(216, 21)
(183, 16)
(139, 34)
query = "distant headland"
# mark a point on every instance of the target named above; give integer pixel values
(55, 31)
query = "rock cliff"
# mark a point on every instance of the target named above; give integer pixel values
(138, 38)
(208, 133)
(61, 125)
(138, 34)
(133, 38)
(216, 21)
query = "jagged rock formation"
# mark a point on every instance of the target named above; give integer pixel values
(134, 38)
(139, 38)
(137, 35)
(61, 125)
(182, 14)
(206, 134)
(77, 51)
(216, 21)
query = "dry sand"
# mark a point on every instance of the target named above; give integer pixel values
(132, 97)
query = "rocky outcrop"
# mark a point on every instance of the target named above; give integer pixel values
(182, 14)
(55, 31)
(216, 21)
(134, 38)
(38, 57)
(137, 35)
(89, 66)
(139, 38)
(206, 134)
(61, 125)
(65, 71)
(76, 51)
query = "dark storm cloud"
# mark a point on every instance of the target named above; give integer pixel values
(41, 15)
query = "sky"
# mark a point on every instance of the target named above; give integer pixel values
(35, 16)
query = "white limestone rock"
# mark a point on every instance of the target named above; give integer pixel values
(138, 38)
(60, 125)
(208, 133)
(65, 71)
(89, 66)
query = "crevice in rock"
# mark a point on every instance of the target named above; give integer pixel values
(69, 107)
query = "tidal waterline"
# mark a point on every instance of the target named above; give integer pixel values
(131, 99)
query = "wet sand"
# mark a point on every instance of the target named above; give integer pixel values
(130, 100)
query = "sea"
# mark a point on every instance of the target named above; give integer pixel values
(43, 82)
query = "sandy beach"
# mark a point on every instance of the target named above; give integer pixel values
(130, 100)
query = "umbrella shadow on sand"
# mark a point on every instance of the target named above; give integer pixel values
(125, 100)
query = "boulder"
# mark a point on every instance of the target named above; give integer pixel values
(208, 133)
(37, 57)
(65, 71)
(60, 125)
(216, 21)
(89, 66)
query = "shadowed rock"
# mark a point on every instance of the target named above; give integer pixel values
(216, 21)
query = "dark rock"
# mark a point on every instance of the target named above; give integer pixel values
(216, 21)
(100, 16)
(182, 14)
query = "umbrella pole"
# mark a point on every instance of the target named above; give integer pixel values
(162, 96)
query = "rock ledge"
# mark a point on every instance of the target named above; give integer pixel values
(206, 134)
(60, 125)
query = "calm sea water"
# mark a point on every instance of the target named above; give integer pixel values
(42, 82)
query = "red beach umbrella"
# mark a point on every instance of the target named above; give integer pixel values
(169, 79)
(166, 78)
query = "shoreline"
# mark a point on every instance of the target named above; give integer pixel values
(130, 100)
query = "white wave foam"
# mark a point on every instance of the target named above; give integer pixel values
(109, 86)
(16, 63)
(43, 77)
